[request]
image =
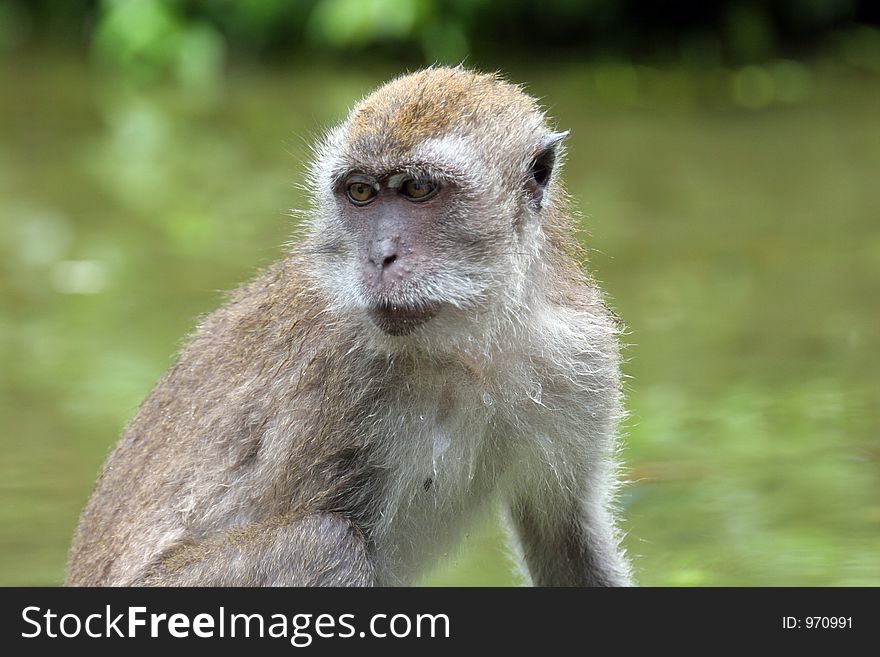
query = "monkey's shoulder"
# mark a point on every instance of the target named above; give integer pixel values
(265, 326)
(247, 363)
(571, 356)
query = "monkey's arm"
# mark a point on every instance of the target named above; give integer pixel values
(567, 541)
(321, 549)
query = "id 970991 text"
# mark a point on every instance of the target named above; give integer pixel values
(817, 623)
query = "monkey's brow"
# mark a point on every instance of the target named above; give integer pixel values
(415, 170)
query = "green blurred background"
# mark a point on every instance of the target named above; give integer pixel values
(726, 161)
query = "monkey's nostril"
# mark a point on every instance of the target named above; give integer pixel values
(389, 260)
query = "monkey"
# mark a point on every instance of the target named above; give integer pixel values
(430, 347)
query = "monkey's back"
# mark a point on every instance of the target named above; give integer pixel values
(210, 447)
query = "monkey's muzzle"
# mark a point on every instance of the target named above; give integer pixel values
(397, 319)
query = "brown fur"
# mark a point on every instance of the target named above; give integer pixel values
(295, 443)
(430, 103)
(262, 353)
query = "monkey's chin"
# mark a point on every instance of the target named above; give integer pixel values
(401, 320)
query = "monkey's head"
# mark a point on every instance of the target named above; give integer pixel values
(430, 202)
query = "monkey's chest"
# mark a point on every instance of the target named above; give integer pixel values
(442, 467)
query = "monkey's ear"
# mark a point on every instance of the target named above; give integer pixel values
(542, 165)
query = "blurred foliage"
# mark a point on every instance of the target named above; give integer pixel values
(190, 37)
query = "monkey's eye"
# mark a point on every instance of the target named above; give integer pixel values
(418, 189)
(361, 193)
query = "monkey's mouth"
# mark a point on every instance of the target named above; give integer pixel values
(400, 319)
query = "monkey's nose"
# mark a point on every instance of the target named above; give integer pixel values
(383, 254)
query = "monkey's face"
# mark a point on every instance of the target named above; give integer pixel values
(390, 216)
(427, 205)
(406, 250)
(431, 243)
